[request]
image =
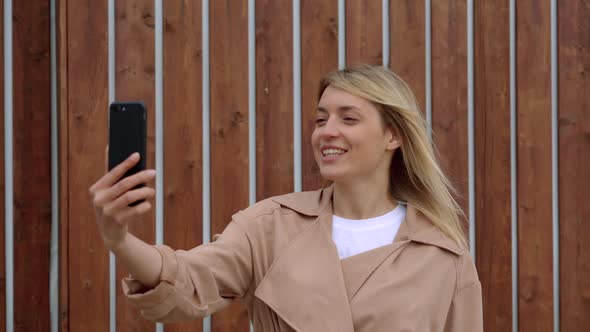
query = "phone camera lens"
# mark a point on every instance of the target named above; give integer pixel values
(123, 108)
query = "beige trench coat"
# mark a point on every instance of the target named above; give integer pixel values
(278, 257)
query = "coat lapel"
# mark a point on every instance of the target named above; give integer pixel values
(305, 285)
(416, 228)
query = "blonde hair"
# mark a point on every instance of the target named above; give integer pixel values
(415, 175)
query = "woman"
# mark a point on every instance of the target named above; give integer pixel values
(380, 249)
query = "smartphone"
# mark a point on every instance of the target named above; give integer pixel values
(127, 134)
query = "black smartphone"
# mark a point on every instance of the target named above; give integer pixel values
(127, 134)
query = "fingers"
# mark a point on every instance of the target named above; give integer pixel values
(123, 187)
(120, 210)
(115, 174)
(132, 212)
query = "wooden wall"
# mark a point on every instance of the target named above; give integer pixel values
(83, 102)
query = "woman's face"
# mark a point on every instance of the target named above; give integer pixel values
(350, 142)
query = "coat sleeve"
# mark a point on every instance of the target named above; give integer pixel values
(466, 311)
(197, 282)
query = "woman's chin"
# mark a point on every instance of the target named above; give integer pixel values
(332, 176)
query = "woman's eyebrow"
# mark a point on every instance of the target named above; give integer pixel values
(339, 109)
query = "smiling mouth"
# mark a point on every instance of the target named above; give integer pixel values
(332, 152)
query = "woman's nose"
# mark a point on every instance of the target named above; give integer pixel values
(330, 128)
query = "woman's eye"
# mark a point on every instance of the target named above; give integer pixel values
(320, 121)
(349, 119)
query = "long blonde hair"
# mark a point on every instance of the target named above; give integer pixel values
(415, 175)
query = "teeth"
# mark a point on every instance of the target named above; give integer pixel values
(332, 151)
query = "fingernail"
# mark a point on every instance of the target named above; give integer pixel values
(152, 172)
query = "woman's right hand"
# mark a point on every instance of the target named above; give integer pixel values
(111, 199)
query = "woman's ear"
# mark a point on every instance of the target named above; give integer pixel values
(393, 140)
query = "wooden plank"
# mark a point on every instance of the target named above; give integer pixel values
(449, 91)
(274, 98)
(407, 47)
(364, 38)
(32, 166)
(229, 129)
(492, 160)
(182, 131)
(319, 55)
(574, 158)
(135, 77)
(62, 91)
(87, 104)
(2, 182)
(535, 253)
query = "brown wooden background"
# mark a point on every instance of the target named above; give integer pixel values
(83, 101)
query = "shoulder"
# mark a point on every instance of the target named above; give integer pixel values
(466, 271)
(306, 203)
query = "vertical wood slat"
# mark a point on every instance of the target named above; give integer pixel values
(363, 32)
(62, 102)
(2, 184)
(534, 165)
(32, 171)
(407, 45)
(319, 55)
(449, 91)
(182, 131)
(135, 80)
(274, 98)
(229, 130)
(492, 160)
(574, 158)
(86, 107)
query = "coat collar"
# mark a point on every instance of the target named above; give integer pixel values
(308, 285)
(416, 227)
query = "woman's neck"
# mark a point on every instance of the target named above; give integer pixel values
(362, 201)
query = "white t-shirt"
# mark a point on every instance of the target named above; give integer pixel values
(353, 237)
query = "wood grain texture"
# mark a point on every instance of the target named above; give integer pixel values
(364, 38)
(274, 98)
(87, 105)
(135, 79)
(2, 182)
(574, 159)
(31, 163)
(449, 91)
(63, 135)
(229, 130)
(183, 131)
(407, 46)
(535, 253)
(319, 55)
(492, 160)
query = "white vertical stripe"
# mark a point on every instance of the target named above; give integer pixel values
(470, 128)
(159, 125)
(251, 106)
(513, 170)
(341, 34)
(252, 101)
(385, 32)
(54, 272)
(297, 176)
(555, 163)
(8, 167)
(206, 145)
(428, 64)
(111, 78)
